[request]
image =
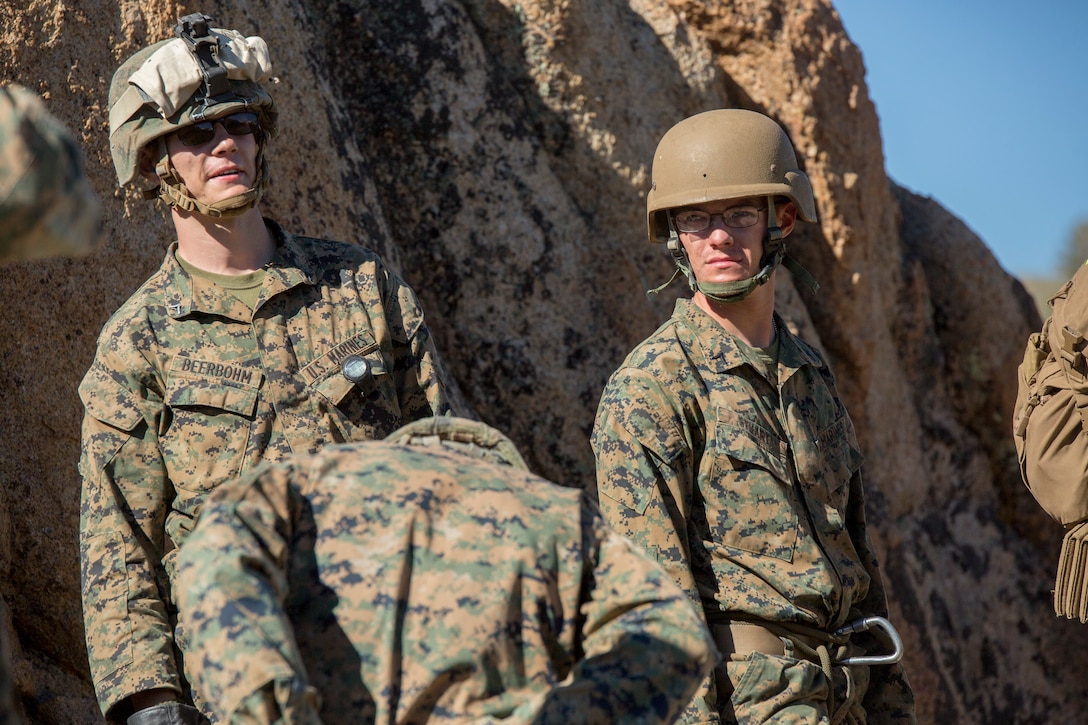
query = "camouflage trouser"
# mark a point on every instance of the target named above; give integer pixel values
(781, 690)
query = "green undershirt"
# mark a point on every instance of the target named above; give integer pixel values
(768, 356)
(246, 287)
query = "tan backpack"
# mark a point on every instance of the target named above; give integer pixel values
(1050, 430)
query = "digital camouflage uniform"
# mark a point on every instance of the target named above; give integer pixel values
(47, 209)
(47, 206)
(384, 583)
(745, 484)
(190, 387)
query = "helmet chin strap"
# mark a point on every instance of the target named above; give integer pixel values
(774, 253)
(172, 190)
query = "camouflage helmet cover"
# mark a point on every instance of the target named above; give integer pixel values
(47, 206)
(719, 155)
(160, 89)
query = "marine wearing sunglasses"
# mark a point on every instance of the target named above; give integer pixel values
(236, 124)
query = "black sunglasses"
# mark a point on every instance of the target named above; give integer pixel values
(236, 124)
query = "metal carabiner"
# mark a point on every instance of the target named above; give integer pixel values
(863, 624)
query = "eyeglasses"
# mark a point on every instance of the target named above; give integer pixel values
(237, 124)
(737, 217)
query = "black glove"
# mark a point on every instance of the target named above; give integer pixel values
(167, 713)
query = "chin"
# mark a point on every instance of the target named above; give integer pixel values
(724, 278)
(223, 194)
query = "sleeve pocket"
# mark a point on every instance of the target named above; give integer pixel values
(335, 388)
(108, 401)
(630, 493)
(112, 417)
(630, 465)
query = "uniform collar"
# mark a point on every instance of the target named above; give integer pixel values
(723, 352)
(292, 264)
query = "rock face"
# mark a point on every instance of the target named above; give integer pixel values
(497, 154)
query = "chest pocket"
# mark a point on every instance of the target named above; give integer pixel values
(839, 460)
(751, 505)
(212, 408)
(365, 406)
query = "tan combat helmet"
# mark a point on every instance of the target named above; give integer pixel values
(47, 206)
(204, 74)
(720, 155)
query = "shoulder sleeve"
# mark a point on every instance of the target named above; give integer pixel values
(645, 480)
(423, 381)
(646, 650)
(645, 467)
(125, 495)
(639, 435)
(231, 587)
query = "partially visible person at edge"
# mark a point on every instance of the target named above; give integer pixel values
(47, 209)
(248, 344)
(1050, 434)
(723, 448)
(429, 578)
(47, 206)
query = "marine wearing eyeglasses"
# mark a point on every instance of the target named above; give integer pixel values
(693, 221)
(723, 448)
(248, 344)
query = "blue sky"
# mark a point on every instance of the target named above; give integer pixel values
(983, 106)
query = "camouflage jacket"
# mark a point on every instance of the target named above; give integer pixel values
(748, 492)
(190, 387)
(383, 583)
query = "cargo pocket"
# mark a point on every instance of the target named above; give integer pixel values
(1051, 445)
(769, 688)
